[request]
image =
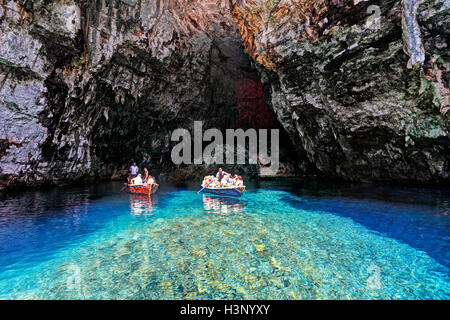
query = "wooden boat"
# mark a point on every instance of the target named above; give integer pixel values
(143, 189)
(226, 191)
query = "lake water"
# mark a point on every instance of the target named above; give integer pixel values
(280, 241)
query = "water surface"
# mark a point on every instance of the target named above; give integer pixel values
(279, 242)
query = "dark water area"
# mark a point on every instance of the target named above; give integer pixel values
(419, 217)
(45, 230)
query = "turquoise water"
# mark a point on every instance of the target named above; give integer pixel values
(276, 243)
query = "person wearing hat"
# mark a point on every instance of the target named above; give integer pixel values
(137, 180)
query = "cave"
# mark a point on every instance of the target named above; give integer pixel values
(90, 85)
(126, 106)
(130, 128)
(358, 91)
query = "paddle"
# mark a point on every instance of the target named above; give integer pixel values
(205, 186)
(126, 184)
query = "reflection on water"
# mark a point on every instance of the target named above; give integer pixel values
(223, 205)
(143, 205)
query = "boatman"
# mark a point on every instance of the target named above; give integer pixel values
(134, 170)
(220, 174)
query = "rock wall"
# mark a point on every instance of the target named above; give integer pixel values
(362, 86)
(32, 46)
(88, 85)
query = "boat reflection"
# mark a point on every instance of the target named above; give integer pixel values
(142, 205)
(223, 205)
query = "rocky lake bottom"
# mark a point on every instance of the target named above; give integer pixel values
(277, 242)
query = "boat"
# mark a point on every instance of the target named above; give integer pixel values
(142, 189)
(226, 191)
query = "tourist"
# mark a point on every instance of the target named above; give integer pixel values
(215, 183)
(230, 180)
(150, 180)
(137, 180)
(224, 180)
(146, 175)
(134, 170)
(207, 180)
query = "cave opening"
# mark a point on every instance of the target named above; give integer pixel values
(140, 95)
(131, 129)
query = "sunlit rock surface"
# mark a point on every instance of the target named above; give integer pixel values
(32, 47)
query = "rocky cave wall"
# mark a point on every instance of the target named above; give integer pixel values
(87, 85)
(362, 86)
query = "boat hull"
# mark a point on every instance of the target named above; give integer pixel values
(225, 192)
(145, 189)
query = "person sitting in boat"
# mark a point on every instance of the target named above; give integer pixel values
(151, 180)
(137, 180)
(239, 182)
(230, 180)
(223, 181)
(207, 180)
(215, 183)
(226, 181)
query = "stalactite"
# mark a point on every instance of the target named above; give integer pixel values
(412, 41)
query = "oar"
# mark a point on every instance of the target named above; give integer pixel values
(126, 185)
(205, 186)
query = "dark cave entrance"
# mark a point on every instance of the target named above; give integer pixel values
(131, 128)
(253, 111)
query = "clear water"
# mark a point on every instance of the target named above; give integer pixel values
(296, 242)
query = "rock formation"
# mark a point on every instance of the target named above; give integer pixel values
(360, 87)
(87, 86)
